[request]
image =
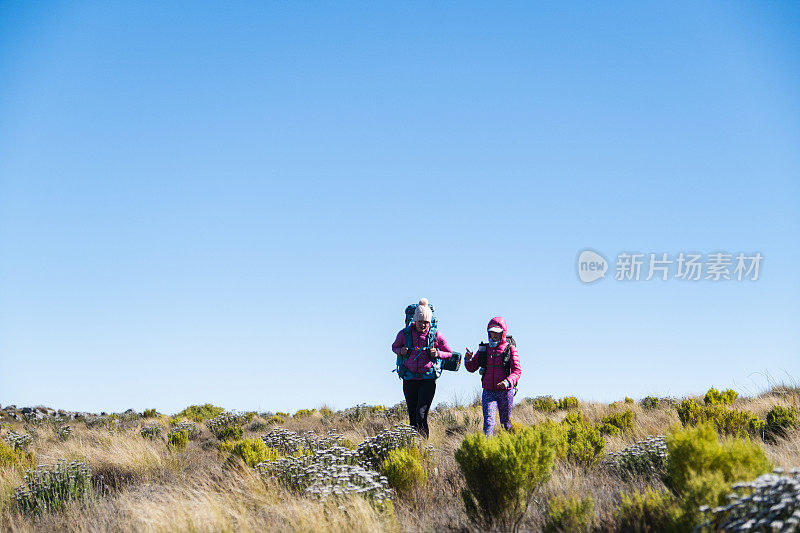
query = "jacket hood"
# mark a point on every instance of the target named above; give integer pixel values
(498, 321)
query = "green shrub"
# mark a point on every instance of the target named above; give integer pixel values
(49, 488)
(715, 397)
(629, 400)
(149, 413)
(649, 402)
(276, 419)
(648, 511)
(616, 423)
(302, 413)
(545, 404)
(501, 473)
(178, 440)
(403, 469)
(779, 420)
(568, 402)
(576, 440)
(569, 514)
(282, 414)
(702, 467)
(10, 456)
(258, 425)
(199, 413)
(727, 421)
(251, 451)
(227, 426)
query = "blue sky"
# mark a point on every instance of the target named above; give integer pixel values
(233, 203)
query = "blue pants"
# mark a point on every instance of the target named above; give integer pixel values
(493, 401)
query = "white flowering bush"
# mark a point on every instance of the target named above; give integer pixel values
(152, 431)
(227, 426)
(49, 488)
(191, 429)
(769, 503)
(374, 450)
(18, 441)
(322, 467)
(64, 432)
(644, 458)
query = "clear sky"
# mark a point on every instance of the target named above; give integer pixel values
(233, 202)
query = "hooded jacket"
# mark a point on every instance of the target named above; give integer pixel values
(495, 373)
(420, 364)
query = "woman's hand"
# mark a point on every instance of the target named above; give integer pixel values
(434, 352)
(504, 385)
(468, 355)
(403, 350)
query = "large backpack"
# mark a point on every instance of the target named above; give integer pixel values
(438, 364)
(483, 356)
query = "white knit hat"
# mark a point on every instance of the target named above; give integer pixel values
(423, 311)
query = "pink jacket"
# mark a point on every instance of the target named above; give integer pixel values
(495, 373)
(421, 363)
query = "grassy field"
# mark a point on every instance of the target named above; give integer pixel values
(145, 484)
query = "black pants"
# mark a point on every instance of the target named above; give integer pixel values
(419, 397)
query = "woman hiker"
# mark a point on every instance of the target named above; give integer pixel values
(418, 350)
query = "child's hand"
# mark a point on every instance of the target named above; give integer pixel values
(504, 385)
(403, 350)
(434, 352)
(468, 355)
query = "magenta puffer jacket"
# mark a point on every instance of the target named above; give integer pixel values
(422, 363)
(495, 373)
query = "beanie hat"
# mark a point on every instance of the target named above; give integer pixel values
(423, 311)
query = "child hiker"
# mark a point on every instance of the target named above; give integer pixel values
(501, 371)
(417, 346)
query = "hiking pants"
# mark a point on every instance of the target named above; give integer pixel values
(419, 397)
(493, 401)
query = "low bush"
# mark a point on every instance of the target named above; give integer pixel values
(227, 426)
(200, 413)
(780, 420)
(149, 413)
(629, 400)
(64, 432)
(647, 458)
(727, 421)
(151, 432)
(374, 450)
(568, 402)
(715, 397)
(545, 404)
(178, 439)
(501, 473)
(648, 511)
(10, 456)
(576, 440)
(276, 419)
(303, 413)
(702, 466)
(258, 425)
(616, 423)
(190, 427)
(569, 514)
(403, 469)
(18, 441)
(649, 402)
(50, 488)
(771, 502)
(251, 451)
